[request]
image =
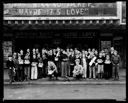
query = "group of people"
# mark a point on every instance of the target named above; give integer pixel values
(53, 63)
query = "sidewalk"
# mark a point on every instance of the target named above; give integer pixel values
(61, 81)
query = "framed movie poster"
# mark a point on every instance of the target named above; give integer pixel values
(7, 50)
(123, 17)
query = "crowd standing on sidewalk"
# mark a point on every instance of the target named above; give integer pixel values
(53, 63)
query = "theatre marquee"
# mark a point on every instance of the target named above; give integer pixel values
(59, 11)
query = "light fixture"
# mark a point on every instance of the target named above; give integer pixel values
(90, 21)
(56, 21)
(70, 22)
(84, 22)
(77, 22)
(16, 22)
(42, 22)
(97, 21)
(29, 22)
(63, 21)
(9, 22)
(22, 22)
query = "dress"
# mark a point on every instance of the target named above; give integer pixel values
(34, 71)
(84, 64)
(107, 69)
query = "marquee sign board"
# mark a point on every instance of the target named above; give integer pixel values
(59, 9)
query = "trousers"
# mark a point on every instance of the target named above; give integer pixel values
(21, 72)
(115, 71)
(11, 74)
(27, 71)
(92, 72)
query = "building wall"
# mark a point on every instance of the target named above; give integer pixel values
(113, 38)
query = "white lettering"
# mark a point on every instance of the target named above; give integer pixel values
(67, 12)
(58, 12)
(72, 12)
(77, 11)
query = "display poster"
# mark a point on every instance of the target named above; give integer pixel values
(7, 50)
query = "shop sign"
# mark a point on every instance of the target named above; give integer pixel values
(90, 9)
(79, 35)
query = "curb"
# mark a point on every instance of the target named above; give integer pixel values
(70, 83)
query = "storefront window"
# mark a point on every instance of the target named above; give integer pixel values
(105, 45)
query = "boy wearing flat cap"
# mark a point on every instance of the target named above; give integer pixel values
(78, 70)
(52, 69)
(11, 69)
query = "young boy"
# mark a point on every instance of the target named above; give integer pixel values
(11, 69)
(115, 63)
(92, 66)
(78, 70)
(52, 69)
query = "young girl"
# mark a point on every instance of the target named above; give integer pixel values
(78, 70)
(100, 66)
(107, 67)
(34, 71)
(40, 67)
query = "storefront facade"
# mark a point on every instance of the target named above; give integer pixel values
(83, 25)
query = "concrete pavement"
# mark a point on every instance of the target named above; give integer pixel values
(48, 92)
